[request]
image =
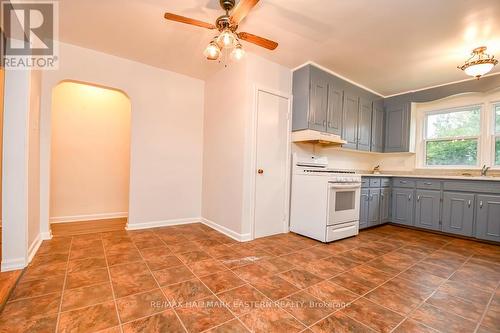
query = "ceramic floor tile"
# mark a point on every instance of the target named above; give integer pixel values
(252, 272)
(271, 320)
(466, 292)
(187, 291)
(372, 315)
(412, 326)
(89, 319)
(131, 278)
(32, 308)
(45, 324)
(86, 278)
(207, 267)
(86, 252)
(222, 281)
(172, 275)
(300, 278)
(38, 287)
(244, 299)
(164, 261)
(124, 257)
(275, 287)
(233, 326)
(203, 314)
(339, 297)
(194, 256)
(141, 305)
(340, 323)
(442, 320)
(275, 265)
(456, 305)
(85, 264)
(165, 321)
(86, 296)
(306, 308)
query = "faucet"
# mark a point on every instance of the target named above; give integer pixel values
(484, 170)
(376, 169)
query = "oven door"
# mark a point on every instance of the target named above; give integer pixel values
(343, 202)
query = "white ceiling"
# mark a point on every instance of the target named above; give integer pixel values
(390, 46)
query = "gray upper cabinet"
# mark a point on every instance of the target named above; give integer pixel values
(488, 217)
(374, 207)
(385, 205)
(363, 208)
(458, 213)
(378, 125)
(397, 124)
(319, 100)
(334, 113)
(402, 206)
(364, 125)
(427, 209)
(350, 120)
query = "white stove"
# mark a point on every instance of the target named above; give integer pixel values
(324, 201)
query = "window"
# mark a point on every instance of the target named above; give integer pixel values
(497, 133)
(451, 137)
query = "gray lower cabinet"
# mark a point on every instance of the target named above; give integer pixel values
(397, 124)
(374, 207)
(488, 217)
(458, 213)
(385, 205)
(350, 112)
(428, 209)
(402, 206)
(363, 208)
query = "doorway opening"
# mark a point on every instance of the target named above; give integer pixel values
(90, 159)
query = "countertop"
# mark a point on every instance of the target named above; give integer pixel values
(487, 178)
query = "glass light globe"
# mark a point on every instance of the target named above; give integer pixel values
(212, 52)
(238, 53)
(478, 69)
(227, 38)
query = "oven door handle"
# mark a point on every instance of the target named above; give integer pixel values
(344, 186)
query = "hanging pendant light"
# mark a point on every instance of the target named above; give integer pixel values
(212, 52)
(479, 63)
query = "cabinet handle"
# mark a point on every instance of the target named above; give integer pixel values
(324, 122)
(427, 183)
(409, 197)
(329, 124)
(382, 196)
(403, 182)
(481, 204)
(470, 203)
(418, 197)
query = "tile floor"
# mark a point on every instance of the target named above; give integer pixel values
(192, 278)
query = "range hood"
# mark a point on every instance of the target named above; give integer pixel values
(317, 137)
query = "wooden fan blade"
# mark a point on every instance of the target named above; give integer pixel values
(187, 20)
(261, 41)
(242, 10)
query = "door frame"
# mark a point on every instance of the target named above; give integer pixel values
(253, 156)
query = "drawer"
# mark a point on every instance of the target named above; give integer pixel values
(374, 182)
(365, 182)
(430, 184)
(477, 186)
(339, 231)
(385, 182)
(403, 182)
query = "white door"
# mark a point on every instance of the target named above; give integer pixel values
(271, 164)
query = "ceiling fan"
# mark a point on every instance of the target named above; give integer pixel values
(227, 25)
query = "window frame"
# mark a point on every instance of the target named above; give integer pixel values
(425, 140)
(495, 135)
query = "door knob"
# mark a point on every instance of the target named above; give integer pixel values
(260, 171)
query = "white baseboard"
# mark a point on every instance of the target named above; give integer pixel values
(13, 264)
(88, 217)
(46, 235)
(163, 223)
(228, 232)
(34, 247)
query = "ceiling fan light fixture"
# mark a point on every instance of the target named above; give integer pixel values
(479, 63)
(227, 38)
(238, 53)
(212, 52)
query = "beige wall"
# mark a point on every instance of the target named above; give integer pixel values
(90, 158)
(2, 82)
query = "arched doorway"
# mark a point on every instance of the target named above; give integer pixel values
(90, 158)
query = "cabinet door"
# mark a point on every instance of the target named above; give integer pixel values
(402, 206)
(385, 205)
(363, 208)
(458, 213)
(488, 217)
(318, 101)
(365, 125)
(334, 115)
(350, 113)
(378, 119)
(427, 209)
(374, 207)
(397, 129)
